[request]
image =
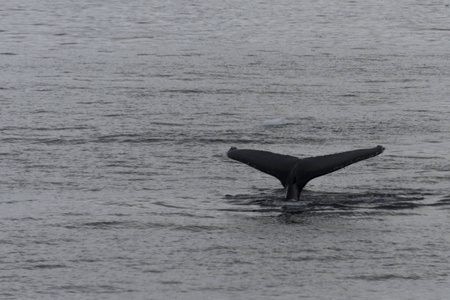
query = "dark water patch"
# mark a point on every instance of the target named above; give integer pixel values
(60, 141)
(170, 282)
(44, 111)
(164, 204)
(168, 124)
(386, 277)
(185, 214)
(113, 225)
(348, 95)
(24, 219)
(435, 29)
(187, 91)
(113, 115)
(7, 242)
(46, 266)
(249, 199)
(130, 138)
(196, 228)
(247, 210)
(329, 201)
(97, 289)
(120, 225)
(146, 140)
(376, 81)
(85, 260)
(154, 271)
(45, 141)
(62, 128)
(398, 205)
(73, 214)
(53, 242)
(220, 249)
(444, 203)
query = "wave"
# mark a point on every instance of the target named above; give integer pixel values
(338, 202)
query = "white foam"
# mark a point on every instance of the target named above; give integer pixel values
(274, 122)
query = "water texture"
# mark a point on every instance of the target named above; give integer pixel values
(116, 117)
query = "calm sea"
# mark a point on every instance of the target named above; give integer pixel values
(115, 117)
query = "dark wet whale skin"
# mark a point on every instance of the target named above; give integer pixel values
(294, 173)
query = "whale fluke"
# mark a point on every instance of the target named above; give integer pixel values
(294, 173)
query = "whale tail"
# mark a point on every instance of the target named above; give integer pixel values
(295, 173)
(277, 165)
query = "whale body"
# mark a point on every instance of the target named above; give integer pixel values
(294, 173)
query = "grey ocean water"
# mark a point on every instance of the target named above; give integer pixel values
(116, 117)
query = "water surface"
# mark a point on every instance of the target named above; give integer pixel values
(115, 121)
